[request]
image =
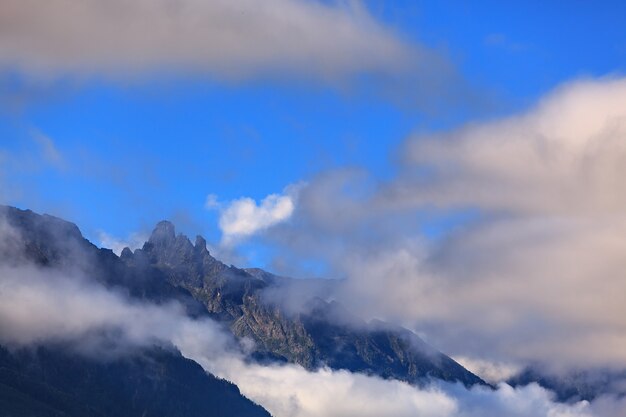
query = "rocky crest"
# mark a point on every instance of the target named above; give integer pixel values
(322, 334)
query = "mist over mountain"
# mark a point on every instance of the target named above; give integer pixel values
(85, 332)
(170, 268)
(575, 385)
(99, 371)
(320, 334)
(312, 208)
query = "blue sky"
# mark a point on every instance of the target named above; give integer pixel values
(129, 152)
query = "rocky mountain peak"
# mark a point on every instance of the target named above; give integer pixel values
(164, 232)
(184, 261)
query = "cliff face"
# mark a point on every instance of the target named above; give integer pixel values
(320, 334)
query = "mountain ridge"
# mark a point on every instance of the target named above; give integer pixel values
(54, 379)
(311, 338)
(170, 267)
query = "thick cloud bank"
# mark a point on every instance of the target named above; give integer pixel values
(291, 391)
(500, 241)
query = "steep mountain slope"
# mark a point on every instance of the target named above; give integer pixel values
(55, 380)
(319, 334)
(48, 381)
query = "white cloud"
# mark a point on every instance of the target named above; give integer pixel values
(230, 39)
(291, 391)
(133, 241)
(563, 157)
(245, 217)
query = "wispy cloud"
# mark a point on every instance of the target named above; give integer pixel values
(48, 149)
(35, 153)
(500, 40)
(133, 241)
(492, 372)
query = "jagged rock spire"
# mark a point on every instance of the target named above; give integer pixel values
(163, 233)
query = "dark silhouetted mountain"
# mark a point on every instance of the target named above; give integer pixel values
(47, 381)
